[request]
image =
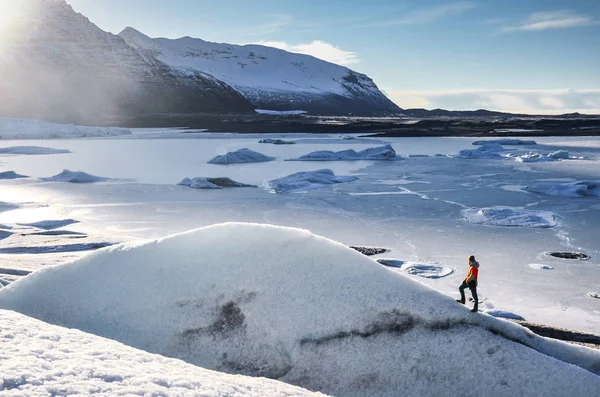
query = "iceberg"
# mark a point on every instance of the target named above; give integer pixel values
(32, 150)
(75, 177)
(211, 183)
(510, 217)
(570, 189)
(276, 141)
(11, 175)
(385, 152)
(485, 151)
(285, 304)
(308, 180)
(506, 142)
(241, 156)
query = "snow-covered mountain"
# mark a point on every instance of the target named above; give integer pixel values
(56, 64)
(268, 77)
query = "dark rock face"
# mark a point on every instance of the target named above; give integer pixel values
(59, 66)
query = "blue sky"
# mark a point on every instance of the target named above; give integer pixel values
(513, 55)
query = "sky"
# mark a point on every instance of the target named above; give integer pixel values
(534, 56)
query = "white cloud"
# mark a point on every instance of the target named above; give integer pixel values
(514, 101)
(318, 49)
(427, 15)
(551, 20)
(277, 22)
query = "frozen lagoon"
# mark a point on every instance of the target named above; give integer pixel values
(413, 207)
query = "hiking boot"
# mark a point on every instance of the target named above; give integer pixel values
(462, 301)
(474, 310)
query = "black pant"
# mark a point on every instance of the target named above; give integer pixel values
(473, 287)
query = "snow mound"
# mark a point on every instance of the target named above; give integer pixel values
(11, 128)
(485, 151)
(285, 304)
(571, 189)
(241, 156)
(11, 175)
(32, 150)
(510, 217)
(308, 180)
(211, 183)
(280, 112)
(539, 266)
(426, 270)
(507, 142)
(40, 359)
(276, 141)
(75, 177)
(503, 314)
(385, 152)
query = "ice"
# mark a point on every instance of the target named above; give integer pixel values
(532, 157)
(31, 150)
(503, 314)
(40, 359)
(241, 156)
(276, 141)
(510, 217)
(485, 151)
(571, 189)
(280, 112)
(11, 128)
(385, 152)
(75, 177)
(286, 304)
(11, 175)
(426, 270)
(539, 266)
(308, 181)
(211, 183)
(506, 141)
(50, 224)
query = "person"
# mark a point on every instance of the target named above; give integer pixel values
(470, 282)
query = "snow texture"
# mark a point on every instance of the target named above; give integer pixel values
(385, 152)
(506, 141)
(308, 180)
(571, 189)
(12, 128)
(75, 177)
(510, 217)
(211, 183)
(276, 141)
(40, 359)
(241, 156)
(31, 150)
(426, 270)
(11, 175)
(282, 303)
(540, 266)
(503, 314)
(280, 112)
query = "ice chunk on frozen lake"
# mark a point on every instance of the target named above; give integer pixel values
(385, 152)
(12, 128)
(506, 141)
(75, 177)
(539, 266)
(276, 141)
(308, 180)
(11, 175)
(503, 314)
(510, 217)
(32, 150)
(211, 183)
(426, 270)
(534, 157)
(283, 303)
(570, 189)
(241, 156)
(280, 112)
(485, 151)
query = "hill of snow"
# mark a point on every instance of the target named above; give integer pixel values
(268, 77)
(283, 303)
(39, 359)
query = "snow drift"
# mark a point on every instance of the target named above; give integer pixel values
(241, 156)
(42, 360)
(385, 152)
(308, 180)
(286, 304)
(570, 189)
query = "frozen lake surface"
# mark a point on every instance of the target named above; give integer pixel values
(414, 207)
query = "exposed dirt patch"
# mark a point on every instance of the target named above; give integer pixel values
(370, 251)
(230, 319)
(569, 255)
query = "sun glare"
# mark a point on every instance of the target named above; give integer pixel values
(11, 12)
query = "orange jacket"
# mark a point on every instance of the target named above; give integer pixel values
(473, 272)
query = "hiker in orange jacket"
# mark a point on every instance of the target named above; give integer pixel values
(470, 282)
